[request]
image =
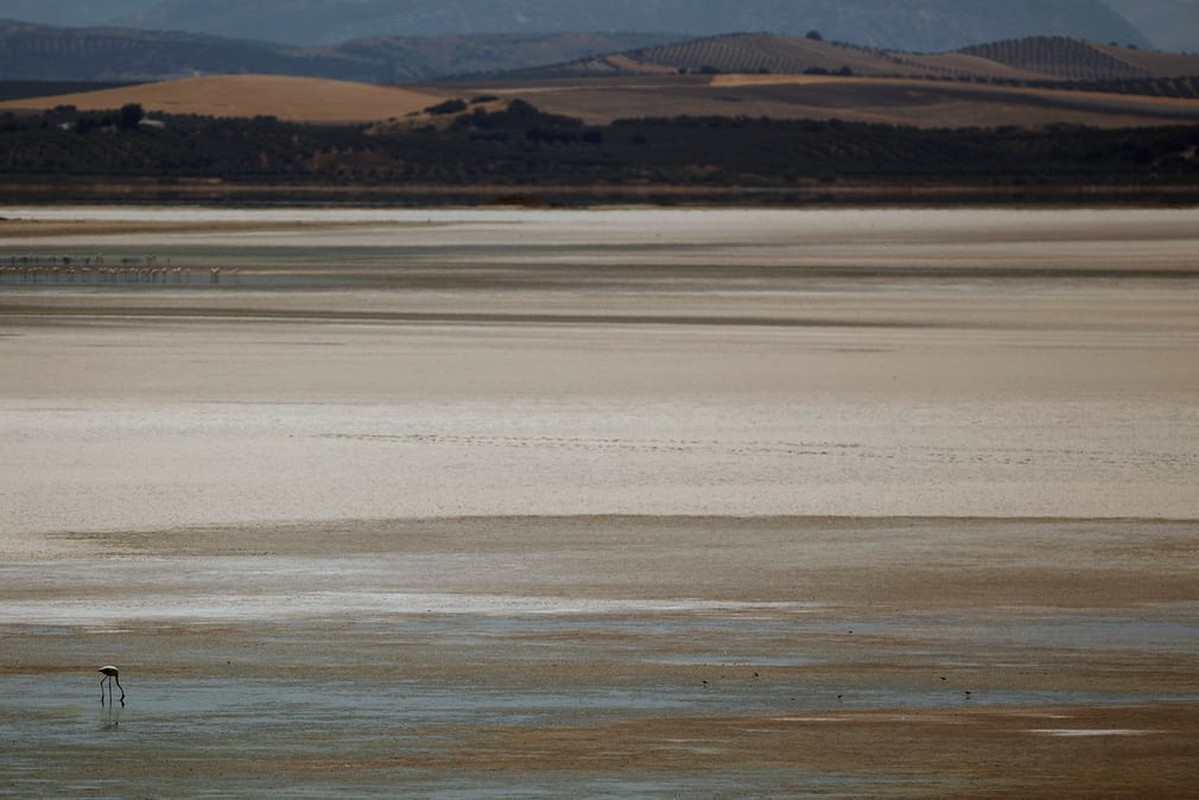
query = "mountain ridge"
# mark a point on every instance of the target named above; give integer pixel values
(897, 24)
(115, 55)
(913, 25)
(31, 52)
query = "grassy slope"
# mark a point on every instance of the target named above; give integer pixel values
(296, 99)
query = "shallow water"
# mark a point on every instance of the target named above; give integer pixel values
(362, 699)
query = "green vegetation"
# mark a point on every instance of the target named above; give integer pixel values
(448, 107)
(521, 146)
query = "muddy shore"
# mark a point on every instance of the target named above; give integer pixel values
(608, 504)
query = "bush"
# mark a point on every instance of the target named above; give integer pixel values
(455, 106)
(131, 115)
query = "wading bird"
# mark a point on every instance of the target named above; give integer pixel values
(110, 674)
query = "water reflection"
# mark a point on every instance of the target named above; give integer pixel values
(110, 716)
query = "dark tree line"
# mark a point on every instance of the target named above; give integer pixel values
(523, 146)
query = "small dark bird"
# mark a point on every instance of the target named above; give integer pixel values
(110, 674)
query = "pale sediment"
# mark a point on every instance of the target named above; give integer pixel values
(571, 504)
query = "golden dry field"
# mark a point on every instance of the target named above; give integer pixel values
(900, 101)
(285, 97)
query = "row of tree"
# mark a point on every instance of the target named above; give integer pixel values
(1058, 56)
(522, 146)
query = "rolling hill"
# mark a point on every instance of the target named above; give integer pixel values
(902, 101)
(1031, 59)
(42, 53)
(895, 101)
(1031, 82)
(286, 98)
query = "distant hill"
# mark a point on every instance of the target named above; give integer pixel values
(405, 59)
(72, 12)
(35, 52)
(1165, 24)
(22, 90)
(1169, 24)
(1044, 60)
(120, 55)
(43, 53)
(919, 25)
(1071, 59)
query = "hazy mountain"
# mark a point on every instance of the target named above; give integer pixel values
(898, 24)
(1169, 24)
(31, 52)
(45, 53)
(72, 12)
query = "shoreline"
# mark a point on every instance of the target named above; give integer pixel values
(847, 195)
(530, 658)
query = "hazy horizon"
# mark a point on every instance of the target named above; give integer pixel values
(915, 25)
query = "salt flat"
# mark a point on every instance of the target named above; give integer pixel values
(602, 503)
